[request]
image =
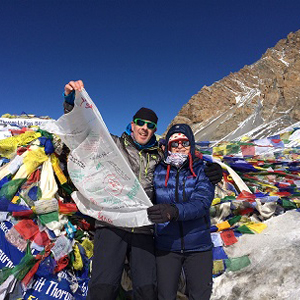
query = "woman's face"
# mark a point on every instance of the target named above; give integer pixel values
(181, 146)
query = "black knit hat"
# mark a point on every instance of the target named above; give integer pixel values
(146, 114)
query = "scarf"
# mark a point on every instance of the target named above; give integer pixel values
(176, 159)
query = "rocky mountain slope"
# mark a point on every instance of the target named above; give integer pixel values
(263, 95)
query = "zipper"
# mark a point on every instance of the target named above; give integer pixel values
(176, 186)
(183, 191)
(147, 163)
(140, 167)
(141, 164)
(179, 222)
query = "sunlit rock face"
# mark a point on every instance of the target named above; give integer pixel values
(274, 272)
(267, 91)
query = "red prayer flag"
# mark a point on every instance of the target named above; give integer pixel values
(22, 213)
(27, 228)
(67, 208)
(246, 211)
(41, 238)
(30, 274)
(244, 195)
(248, 150)
(61, 263)
(282, 194)
(228, 237)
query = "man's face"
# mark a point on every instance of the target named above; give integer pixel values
(142, 134)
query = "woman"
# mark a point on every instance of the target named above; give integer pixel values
(183, 196)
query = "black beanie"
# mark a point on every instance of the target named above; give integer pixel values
(146, 114)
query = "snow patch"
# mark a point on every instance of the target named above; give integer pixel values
(275, 257)
(283, 61)
(238, 98)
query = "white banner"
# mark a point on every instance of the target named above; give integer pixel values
(108, 190)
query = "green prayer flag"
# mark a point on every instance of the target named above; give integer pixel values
(71, 257)
(234, 220)
(288, 204)
(5, 273)
(49, 217)
(67, 188)
(244, 229)
(233, 149)
(228, 198)
(46, 134)
(9, 189)
(79, 235)
(237, 263)
(26, 263)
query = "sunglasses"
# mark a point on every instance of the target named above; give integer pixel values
(184, 143)
(141, 123)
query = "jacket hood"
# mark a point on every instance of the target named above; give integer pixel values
(187, 131)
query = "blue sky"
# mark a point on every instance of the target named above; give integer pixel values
(131, 53)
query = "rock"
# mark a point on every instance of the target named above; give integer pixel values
(272, 82)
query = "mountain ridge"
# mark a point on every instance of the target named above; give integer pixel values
(256, 95)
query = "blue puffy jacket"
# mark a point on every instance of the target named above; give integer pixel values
(191, 191)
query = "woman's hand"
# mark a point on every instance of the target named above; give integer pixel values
(161, 213)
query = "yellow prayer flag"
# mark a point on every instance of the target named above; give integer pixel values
(285, 135)
(220, 148)
(273, 187)
(8, 146)
(216, 201)
(218, 267)
(34, 157)
(222, 226)
(77, 263)
(245, 138)
(297, 202)
(27, 137)
(57, 170)
(15, 199)
(257, 227)
(88, 247)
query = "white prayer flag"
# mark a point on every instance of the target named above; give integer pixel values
(108, 190)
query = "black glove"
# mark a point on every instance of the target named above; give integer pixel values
(163, 212)
(214, 172)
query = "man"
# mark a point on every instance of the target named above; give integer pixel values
(113, 244)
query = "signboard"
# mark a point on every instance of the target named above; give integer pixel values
(24, 122)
